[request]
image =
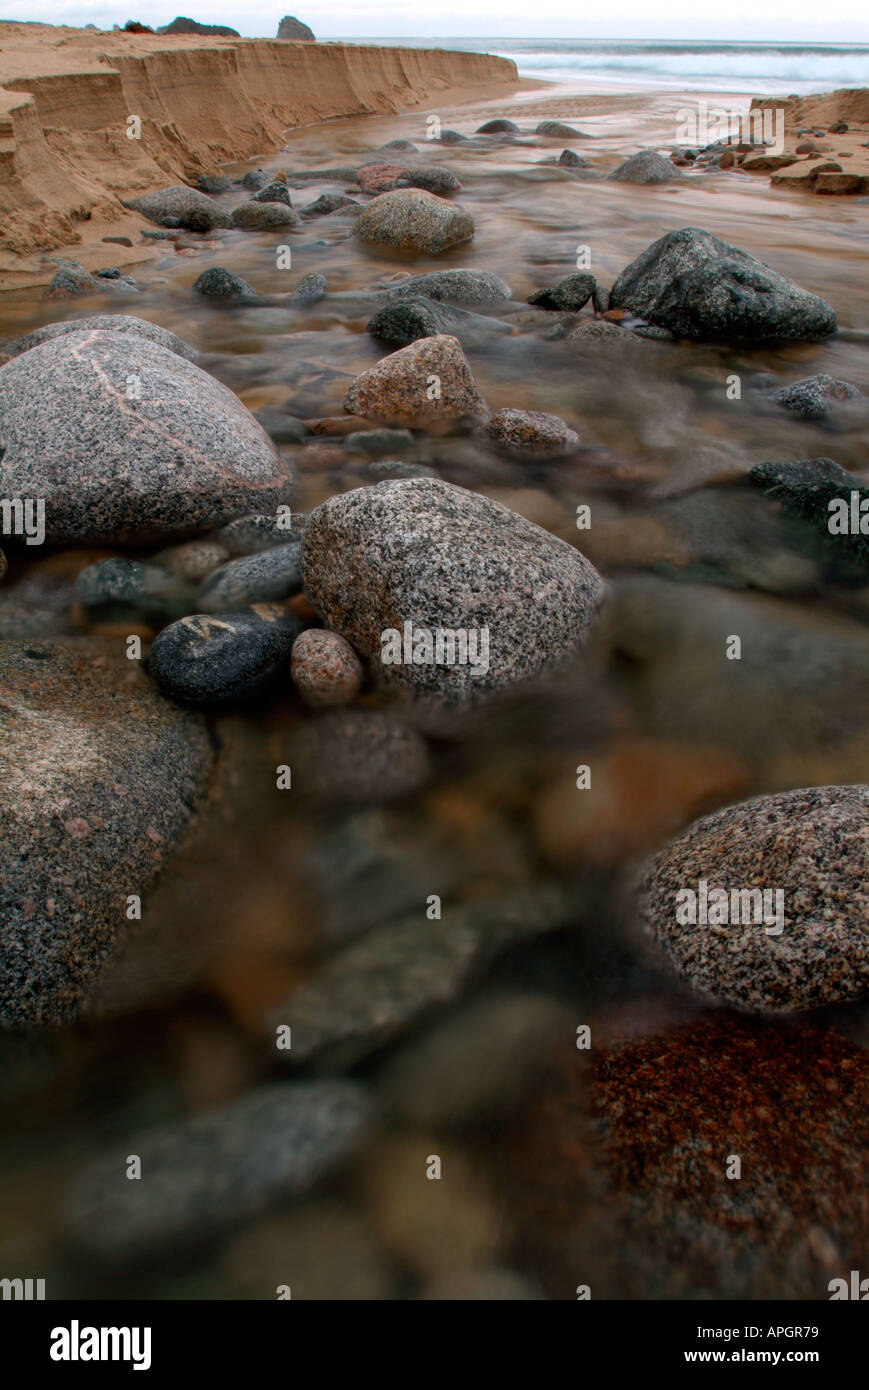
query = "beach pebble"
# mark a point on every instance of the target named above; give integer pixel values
(403, 321)
(272, 574)
(126, 440)
(382, 441)
(248, 535)
(192, 560)
(808, 845)
(452, 137)
(254, 179)
(646, 167)
(454, 286)
(425, 552)
(322, 1251)
(433, 1228)
(206, 1174)
(310, 289)
(125, 586)
(207, 658)
(328, 203)
(624, 1172)
(218, 283)
(356, 756)
(276, 192)
(113, 323)
(281, 426)
(396, 391)
(325, 669)
(531, 432)
(183, 206)
(253, 216)
(813, 397)
(416, 220)
(428, 1082)
(569, 295)
(100, 777)
(700, 287)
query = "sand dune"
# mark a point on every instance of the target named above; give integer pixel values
(66, 96)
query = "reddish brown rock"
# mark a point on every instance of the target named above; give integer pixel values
(325, 669)
(429, 382)
(620, 1165)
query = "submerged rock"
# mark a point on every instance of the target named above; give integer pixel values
(700, 287)
(455, 286)
(218, 283)
(646, 167)
(206, 1174)
(254, 216)
(424, 553)
(569, 295)
(813, 397)
(99, 776)
(126, 440)
(531, 432)
(357, 757)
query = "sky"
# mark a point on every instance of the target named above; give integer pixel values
(834, 21)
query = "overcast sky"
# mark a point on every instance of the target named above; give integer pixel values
(832, 21)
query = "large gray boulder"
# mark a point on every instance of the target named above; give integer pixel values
(98, 779)
(422, 552)
(292, 28)
(414, 220)
(126, 440)
(645, 167)
(700, 287)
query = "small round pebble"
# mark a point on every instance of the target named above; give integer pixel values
(325, 668)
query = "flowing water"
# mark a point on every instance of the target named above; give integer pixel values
(247, 911)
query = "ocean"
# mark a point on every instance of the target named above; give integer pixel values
(747, 67)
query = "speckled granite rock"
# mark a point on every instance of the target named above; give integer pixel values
(192, 208)
(255, 532)
(275, 192)
(120, 586)
(357, 757)
(569, 159)
(192, 560)
(813, 397)
(98, 779)
(403, 321)
(424, 552)
(569, 295)
(71, 280)
(399, 390)
(126, 440)
(645, 167)
(253, 216)
(557, 130)
(416, 220)
(455, 286)
(113, 323)
(382, 178)
(700, 287)
(806, 488)
(310, 289)
(273, 574)
(325, 669)
(531, 432)
(205, 1175)
(618, 1168)
(207, 658)
(812, 947)
(499, 126)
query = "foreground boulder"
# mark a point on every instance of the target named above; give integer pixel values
(398, 390)
(425, 553)
(802, 939)
(416, 220)
(700, 287)
(98, 778)
(126, 440)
